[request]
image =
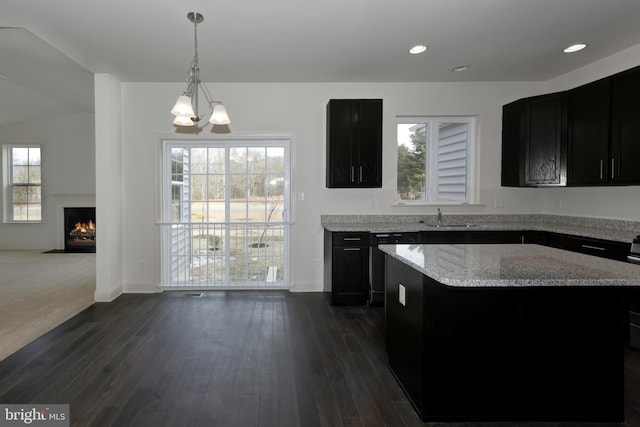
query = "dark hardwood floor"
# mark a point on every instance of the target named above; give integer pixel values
(228, 358)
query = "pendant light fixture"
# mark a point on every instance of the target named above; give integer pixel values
(186, 107)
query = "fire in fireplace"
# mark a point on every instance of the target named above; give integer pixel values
(80, 229)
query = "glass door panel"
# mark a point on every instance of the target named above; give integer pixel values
(226, 215)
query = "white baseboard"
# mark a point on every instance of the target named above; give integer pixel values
(107, 296)
(142, 288)
(307, 287)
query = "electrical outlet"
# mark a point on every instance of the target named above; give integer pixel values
(402, 295)
(316, 263)
(142, 265)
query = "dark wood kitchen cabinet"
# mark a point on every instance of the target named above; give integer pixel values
(625, 128)
(586, 136)
(588, 108)
(346, 267)
(354, 143)
(534, 141)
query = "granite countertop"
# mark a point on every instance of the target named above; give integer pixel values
(614, 230)
(510, 265)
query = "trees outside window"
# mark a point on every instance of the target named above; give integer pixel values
(434, 159)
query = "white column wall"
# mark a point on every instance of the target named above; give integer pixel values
(109, 182)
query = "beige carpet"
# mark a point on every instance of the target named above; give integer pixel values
(39, 292)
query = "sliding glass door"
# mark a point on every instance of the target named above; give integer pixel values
(225, 213)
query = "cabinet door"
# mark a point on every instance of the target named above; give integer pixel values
(512, 134)
(625, 128)
(588, 125)
(341, 133)
(534, 141)
(368, 167)
(350, 275)
(544, 143)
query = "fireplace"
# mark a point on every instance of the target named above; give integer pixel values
(79, 229)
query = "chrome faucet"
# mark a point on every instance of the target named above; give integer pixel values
(439, 218)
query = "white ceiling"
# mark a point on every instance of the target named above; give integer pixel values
(304, 41)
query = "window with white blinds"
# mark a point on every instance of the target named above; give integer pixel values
(434, 159)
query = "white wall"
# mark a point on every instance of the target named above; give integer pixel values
(608, 202)
(299, 109)
(68, 174)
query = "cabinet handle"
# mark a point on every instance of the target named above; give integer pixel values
(593, 247)
(352, 239)
(633, 259)
(613, 166)
(352, 180)
(360, 177)
(383, 235)
(350, 249)
(601, 168)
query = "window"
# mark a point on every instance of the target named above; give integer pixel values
(23, 198)
(434, 159)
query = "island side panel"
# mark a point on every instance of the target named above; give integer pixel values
(404, 329)
(473, 354)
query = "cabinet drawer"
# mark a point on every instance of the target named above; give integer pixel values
(351, 239)
(597, 247)
(392, 238)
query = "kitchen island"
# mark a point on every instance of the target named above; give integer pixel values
(507, 332)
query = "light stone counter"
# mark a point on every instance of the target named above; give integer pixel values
(512, 265)
(615, 230)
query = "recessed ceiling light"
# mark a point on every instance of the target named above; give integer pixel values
(461, 68)
(574, 48)
(418, 49)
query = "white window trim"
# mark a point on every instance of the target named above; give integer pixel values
(163, 194)
(472, 184)
(7, 202)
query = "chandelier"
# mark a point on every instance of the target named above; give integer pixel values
(186, 108)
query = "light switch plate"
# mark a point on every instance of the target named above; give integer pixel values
(401, 294)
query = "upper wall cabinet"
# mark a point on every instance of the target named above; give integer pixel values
(625, 128)
(354, 143)
(588, 147)
(533, 142)
(587, 136)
